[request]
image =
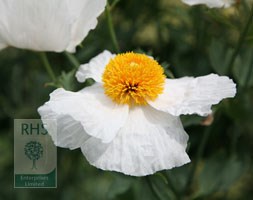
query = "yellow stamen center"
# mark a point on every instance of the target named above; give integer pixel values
(133, 78)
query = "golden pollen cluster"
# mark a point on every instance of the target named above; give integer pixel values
(133, 78)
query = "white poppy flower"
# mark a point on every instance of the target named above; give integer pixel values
(47, 25)
(211, 3)
(128, 121)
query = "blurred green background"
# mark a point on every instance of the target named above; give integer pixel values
(187, 41)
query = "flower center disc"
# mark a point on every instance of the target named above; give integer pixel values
(132, 78)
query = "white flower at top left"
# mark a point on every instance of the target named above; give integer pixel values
(47, 25)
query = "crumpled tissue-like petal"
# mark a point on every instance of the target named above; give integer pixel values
(194, 95)
(150, 141)
(90, 109)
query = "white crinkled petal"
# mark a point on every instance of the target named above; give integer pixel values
(97, 114)
(65, 131)
(210, 3)
(150, 141)
(194, 95)
(95, 68)
(48, 25)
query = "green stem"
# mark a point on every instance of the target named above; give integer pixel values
(152, 188)
(114, 4)
(72, 59)
(47, 66)
(247, 81)
(197, 160)
(240, 41)
(172, 187)
(111, 28)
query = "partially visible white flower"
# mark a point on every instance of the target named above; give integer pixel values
(47, 25)
(211, 3)
(128, 121)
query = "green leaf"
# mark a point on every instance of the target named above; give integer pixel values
(178, 176)
(120, 185)
(218, 175)
(161, 188)
(243, 70)
(67, 80)
(220, 56)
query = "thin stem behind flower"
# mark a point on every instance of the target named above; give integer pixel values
(152, 188)
(240, 41)
(111, 28)
(199, 155)
(174, 190)
(47, 66)
(72, 59)
(247, 81)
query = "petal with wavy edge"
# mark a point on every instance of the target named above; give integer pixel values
(86, 12)
(64, 130)
(36, 25)
(90, 108)
(48, 25)
(95, 68)
(150, 141)
(194, 95)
